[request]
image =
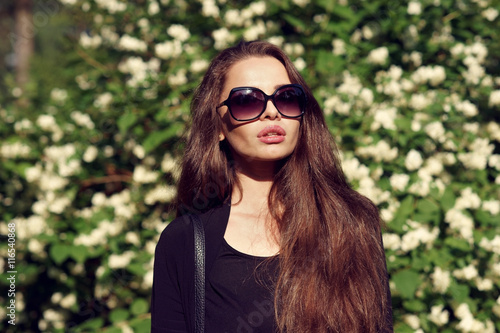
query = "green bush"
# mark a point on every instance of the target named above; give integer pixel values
(90, 149)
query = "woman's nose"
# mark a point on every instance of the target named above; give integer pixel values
(270, 112)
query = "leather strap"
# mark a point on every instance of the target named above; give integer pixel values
(199, 274)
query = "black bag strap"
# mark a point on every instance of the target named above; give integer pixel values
(199, 274)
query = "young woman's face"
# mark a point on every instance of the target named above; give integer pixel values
(271, 137)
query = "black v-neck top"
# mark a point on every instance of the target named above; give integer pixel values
(239, 293)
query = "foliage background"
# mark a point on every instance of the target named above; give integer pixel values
(90, 147)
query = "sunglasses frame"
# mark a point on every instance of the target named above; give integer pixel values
(267, 98)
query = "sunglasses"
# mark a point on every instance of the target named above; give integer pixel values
(248, 103)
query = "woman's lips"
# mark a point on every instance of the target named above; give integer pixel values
(272, 134)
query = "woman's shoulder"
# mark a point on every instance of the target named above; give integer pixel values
(179, 229)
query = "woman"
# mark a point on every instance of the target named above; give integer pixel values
(290, 247)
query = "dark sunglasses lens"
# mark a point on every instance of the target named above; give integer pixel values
(290, 101)
(246, 104)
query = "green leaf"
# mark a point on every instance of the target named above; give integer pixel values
(125, 121)
(139, 306)
(327, 62)
(460, 292)
(459, 244)
(448, 199)
(91, 325)
(157, 138)
(407, 282)
(414, 305)
(136, 269)
(118, 315)
(141, 324)
(404, 211)
(296, 22)
(60, 252)
(79, 253)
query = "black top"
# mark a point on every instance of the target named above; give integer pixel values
(172, 302)
(239, 295)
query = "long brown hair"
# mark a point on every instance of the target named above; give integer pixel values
(332, 275)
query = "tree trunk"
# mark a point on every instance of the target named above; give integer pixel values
(24, 40)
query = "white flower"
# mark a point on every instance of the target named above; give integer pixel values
(439, 316)
(116, 261)
(419, 101)
(178, 79)
(412, 320)
(460, 222)
(378, 56)
(255, 31)
(58, 205)
(301, 3)
(494, 98)
(109, 34)
(467, 273)
(210, 9)
(490, 14)
(168, 49)
(89, 42)
(82, 119)
(492, 206)
(37, 247)
(421, 235)
(440, 280)
(354, 170)
(68, 301)
(368, 188)
(68, 2)
(153, 8)
(367, 32)
(47, 122)
(436, 131)
(178, 32)
(112, 6)
(434, 75)
(467, 108)
(413, 160)
(381, 151)
(414, 8)
(384, 117)
(52, 182)
(391, 241)
(14, 150)
(139, 69)
(160, 193)
(90, 154)
(198, 66)
(351, 85)
(58, 95)
(129, 43)
(132, 238)
(491, 245)
(232, 17)
(484, 284)
(416, 59)
(467, 199)
(300, 64)
(399, 181)
(222, 38)
(338, 46)
(142, 175)
(477, 158)
(53, 316)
